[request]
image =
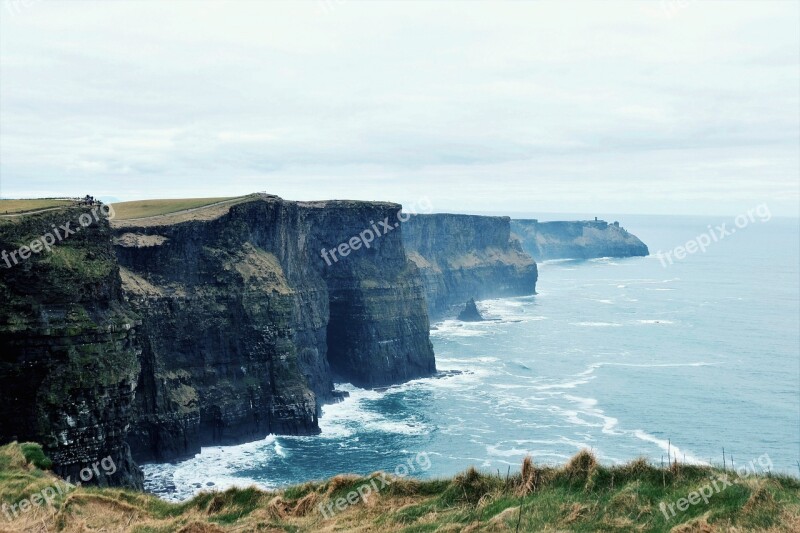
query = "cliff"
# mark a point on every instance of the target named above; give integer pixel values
(68, 351)
(245, 325)
(585, 239)
(467, 256)
(217, 325)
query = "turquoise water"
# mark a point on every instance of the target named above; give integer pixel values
(623, 356)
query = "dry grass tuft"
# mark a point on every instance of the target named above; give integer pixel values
(581, 466)
(473, 485)
(527, 477)
(278, 508)
(305, 504)
(340, 482)
(216, 504)
(636, 467)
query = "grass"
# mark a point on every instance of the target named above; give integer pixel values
(149, 208)
(581, 496)
(21, 206)
(34, 455)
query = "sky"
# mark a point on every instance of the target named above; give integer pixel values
(662, 107)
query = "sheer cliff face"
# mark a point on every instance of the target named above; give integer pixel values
(378, 332)
(245, 324)
(466, 256)
(576, 240)
(221, 326)
(165, 334)
(68, 351)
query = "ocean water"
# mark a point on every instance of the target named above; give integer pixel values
(627, 357)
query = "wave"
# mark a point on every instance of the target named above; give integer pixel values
(214, 468)
(557, 261)
(594, 366)
(604, 260)
(667, 446)
(456, 328)
(468, 361)
(354, 415)
(587, 410)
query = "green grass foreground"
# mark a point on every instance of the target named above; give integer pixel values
(580, 496)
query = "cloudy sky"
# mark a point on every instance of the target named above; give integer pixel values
(674, 106)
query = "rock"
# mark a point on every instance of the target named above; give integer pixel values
(339, 396)
(204, 330)
(470, 312)
(245, 324)
(584, 239)
(467, 256)
(69, 362)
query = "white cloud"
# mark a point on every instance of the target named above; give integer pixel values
(668, 107)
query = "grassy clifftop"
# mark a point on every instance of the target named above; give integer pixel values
(9, 207)
(149, 208)
(580, 496)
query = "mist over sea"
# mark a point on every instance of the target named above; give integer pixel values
(624, 356)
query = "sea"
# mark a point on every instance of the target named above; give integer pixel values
(629, 358)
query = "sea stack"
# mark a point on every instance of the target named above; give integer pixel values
(470, 312)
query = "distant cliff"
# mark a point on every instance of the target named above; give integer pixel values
(584, 239)
(467, 256)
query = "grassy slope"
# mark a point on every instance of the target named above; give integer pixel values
(149, 208)
(581, 496)
(22, 206)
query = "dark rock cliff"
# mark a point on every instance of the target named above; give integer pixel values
(585, 239)
(68, 351)
(379, 331)
(245, 325)
(467, 256)
(163, 334)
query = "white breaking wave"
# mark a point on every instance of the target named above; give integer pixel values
(555, 261)
(214, 468)
(666, 446)
(353, 415)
